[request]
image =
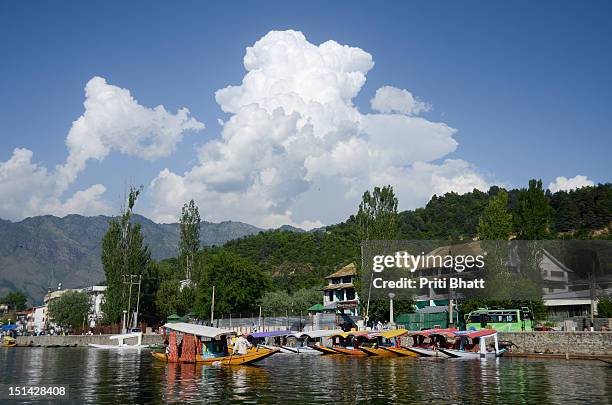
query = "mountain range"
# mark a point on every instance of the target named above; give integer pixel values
(37, 253)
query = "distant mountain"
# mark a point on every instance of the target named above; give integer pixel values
(39, 252)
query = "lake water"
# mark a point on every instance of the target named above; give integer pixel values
(96, 376)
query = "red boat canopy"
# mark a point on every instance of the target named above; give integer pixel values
(476, 333)
(430, 332)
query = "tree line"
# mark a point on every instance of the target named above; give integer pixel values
(285, 270)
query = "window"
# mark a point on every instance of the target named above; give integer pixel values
(330, 295)
(350, 294)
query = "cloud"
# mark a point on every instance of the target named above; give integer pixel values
(564, 184)
(293, 127)
(113, 121)
(389, 99)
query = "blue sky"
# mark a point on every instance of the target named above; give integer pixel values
(526, 86)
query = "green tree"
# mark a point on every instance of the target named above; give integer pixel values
(380, 309)
(604, 307)
(496, 222)
(275, 303)
(190, 237)
(377, 215)
(167, 298)
(124, 254)
(239, 284)
(70, 309)
(534, 215)
(15, 300)
(304, 298)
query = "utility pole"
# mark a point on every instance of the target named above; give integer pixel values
(212, 307)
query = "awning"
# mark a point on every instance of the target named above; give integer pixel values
(476, 334)
(352, 333)
(257, 335)
(429, 332)
(316, 308)
(199, 330)
(315, 334)
(389, 334)
(9, 327)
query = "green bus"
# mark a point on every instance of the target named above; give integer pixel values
(503, 320)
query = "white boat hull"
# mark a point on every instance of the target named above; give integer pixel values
(460, 354)
(292, 350)
(424, 352)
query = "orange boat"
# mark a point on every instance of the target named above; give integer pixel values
(324, 349)
(349, 343)
(205, 345)
(349, 351)
(251, 357)
(382, 341)
(400, 351)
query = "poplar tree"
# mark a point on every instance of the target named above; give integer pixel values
(496, 222)
(534, 214)
(190, 237)
(377, 215)
(123, 254)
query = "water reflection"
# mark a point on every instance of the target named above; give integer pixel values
(111, 377)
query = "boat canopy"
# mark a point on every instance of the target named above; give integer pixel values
(315, 334)
(475, 334)
(199, 330)
(355, 333)
(448, 332)
(257, 335)
(389, 334)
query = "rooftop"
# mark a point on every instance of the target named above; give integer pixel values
(348, 270)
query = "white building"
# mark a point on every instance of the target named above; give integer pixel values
(96, 294)
(339, 294)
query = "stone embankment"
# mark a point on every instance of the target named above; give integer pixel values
(572, 344)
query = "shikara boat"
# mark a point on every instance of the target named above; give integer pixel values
(205, 345)
(349, 343)
(427, 342)
(381, 341)
(473, 345)
(9, 342)
(273, 340)
(400, 351)
(311, 342)
(121, 344)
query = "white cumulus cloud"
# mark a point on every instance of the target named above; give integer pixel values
(113, 121)
(389, 99)
(562, 183)
(293, 129)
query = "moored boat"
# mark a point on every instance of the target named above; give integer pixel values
(426, 343)
(9, 341)
(349, 343)
(383, 340)
(311, 342)
(400, 351)
(121, 342)
(205, 345)
(473, 345)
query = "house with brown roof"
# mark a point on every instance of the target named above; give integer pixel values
(339, 294)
